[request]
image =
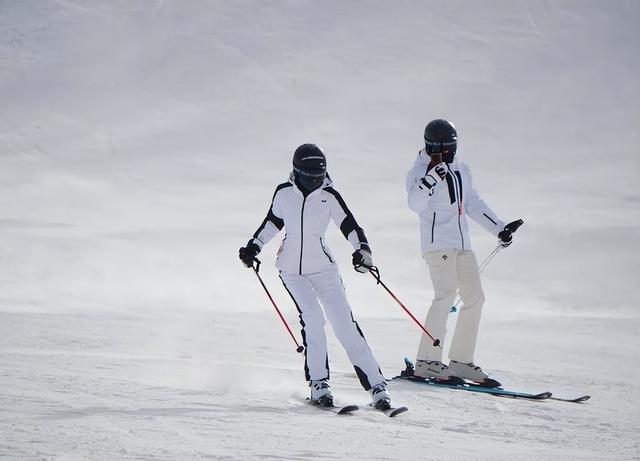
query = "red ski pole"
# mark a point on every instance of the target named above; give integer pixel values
(373, 270)
(256, 268)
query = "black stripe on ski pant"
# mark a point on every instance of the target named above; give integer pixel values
(362, 376)
(304, 335)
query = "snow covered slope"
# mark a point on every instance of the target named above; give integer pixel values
(140, 143)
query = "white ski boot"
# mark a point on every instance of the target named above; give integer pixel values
(321, 393)
(380, 396)
(429, 369)
(472, 372)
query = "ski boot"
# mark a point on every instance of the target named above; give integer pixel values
(472, 372)
(321, 393)
(381, 397)
(434, 370)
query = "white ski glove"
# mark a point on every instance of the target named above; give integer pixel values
(434, 176)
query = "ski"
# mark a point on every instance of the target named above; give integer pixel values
(581, 399)
(407, 375)
(344, 410)
(395, 411)
(485, 390)
(391, 411)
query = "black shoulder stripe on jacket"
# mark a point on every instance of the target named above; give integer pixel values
(459, 182)
(349, 223)
(284, 185)
(452, 190)
(278, 222)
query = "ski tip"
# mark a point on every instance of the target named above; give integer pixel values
(393, 412)
(581, 399)
(348, 409)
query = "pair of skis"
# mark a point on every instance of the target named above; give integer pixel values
(408, 375)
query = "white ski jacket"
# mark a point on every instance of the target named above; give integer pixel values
(443, 210)
(303, 249)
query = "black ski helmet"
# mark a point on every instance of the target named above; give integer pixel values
(441, 137)
(309, 166)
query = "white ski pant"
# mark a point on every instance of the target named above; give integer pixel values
(452, 270)
(326, 288)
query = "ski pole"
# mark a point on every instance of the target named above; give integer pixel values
(483, 265)
(512, 226)
(256, 268)
(373, 270)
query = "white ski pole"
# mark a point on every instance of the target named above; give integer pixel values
(512, 226)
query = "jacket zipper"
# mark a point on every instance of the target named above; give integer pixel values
(433, 224)
(458, 203)
(301, 233)
(281, 245)
(325, 251)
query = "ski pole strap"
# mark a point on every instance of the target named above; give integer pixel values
(256, 267)
(375, 272)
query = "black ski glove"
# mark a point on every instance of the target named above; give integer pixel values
(248, 253)
(362, 261)
(506, 235)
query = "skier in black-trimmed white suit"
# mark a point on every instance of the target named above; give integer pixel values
(441, 192)
(304, 205)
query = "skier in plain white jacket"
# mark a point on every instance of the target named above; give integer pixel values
(304, 206)
(441, 192)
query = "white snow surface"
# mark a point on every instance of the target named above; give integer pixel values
(140, 144)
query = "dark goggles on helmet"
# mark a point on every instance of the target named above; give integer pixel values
(311, 173)
(439, 147)
(310, 178)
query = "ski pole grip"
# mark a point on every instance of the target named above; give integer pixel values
(514, 225)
